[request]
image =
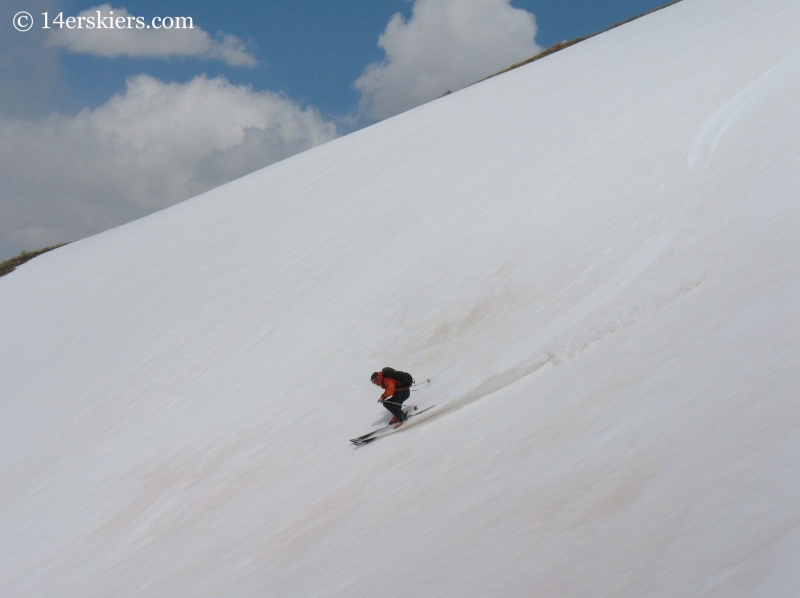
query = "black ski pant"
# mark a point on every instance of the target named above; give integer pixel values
(398, 397)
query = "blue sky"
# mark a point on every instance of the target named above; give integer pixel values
(106, 93)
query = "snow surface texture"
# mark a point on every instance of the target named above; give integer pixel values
(594, 256)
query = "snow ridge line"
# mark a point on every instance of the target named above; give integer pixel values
(557, 47)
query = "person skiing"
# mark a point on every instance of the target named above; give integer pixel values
(396, 389)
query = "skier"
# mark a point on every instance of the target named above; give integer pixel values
(396, 387)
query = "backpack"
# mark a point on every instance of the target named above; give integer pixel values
(404, 378)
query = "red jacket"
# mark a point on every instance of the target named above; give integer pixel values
(389, 385)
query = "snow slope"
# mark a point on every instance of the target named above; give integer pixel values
(594, 256)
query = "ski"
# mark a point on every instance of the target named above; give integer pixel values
(367, 438)
(421, 412)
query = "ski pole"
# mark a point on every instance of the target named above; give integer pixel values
(428, 381)
(393, 403)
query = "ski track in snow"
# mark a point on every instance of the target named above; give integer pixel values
(740, 106)
(581, 336)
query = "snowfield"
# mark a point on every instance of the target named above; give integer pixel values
(596, 258)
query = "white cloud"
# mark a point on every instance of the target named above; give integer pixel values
(144, 42)
(150, 147)
(445, 45)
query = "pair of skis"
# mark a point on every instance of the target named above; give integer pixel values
(375, 434)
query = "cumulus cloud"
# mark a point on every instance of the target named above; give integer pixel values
(147, 148)
(140, 41)
(445, 45)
